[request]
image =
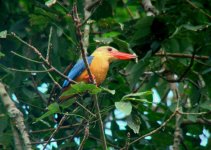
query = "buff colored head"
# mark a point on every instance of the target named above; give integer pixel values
(111, 54)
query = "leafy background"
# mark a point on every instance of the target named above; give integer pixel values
(182, 26)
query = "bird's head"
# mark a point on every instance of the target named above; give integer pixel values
(111, 54)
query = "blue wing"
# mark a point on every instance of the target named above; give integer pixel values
(77, 69)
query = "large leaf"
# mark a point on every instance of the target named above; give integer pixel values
(134, 122)
(124, 107)
(52, 109)
(3, 34)
(80, 88)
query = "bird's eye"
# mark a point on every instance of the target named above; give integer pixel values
(109, 49)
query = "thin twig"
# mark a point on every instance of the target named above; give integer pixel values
(180, 55)
(26, 58)
(85, 109)
(37, 91)
(57, 129)
(113, 145)
(54, 81)
(154, 131)
(30, 71)
(182, 77)
(86, 135)
(128, 9)
(51, 129)
(90, 8)
(127, 142)
(49, 44)
(60, 139)
(55, 87)
(198, 121)
(192, 113)
(201, 10)
(42, 58)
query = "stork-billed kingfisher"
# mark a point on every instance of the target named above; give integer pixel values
(99, 64)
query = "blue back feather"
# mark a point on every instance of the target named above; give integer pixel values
(77, 69)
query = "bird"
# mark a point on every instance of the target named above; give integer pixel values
(99, 62)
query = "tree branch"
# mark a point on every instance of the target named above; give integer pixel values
(149, 8)
(17, 139)
(86, 135)
(154, 131)
(36, 51)
(79, 36)
(57, 129)
(16, 116)
(180, 55)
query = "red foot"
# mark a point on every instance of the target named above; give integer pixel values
(88, 79)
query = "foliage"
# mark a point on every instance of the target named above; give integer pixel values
(144, 90)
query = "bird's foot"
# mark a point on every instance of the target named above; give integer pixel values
(87, 78)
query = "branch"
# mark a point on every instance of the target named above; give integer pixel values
(57, 129)
(198, 121)
(49, 44)
(149, 8)
(16, 137)
(180, 55)
(79, 35)
(26, 58)
(86, 135)
(91, 8)
(196, 7)
(36, 51)
(37, 91)
(183, 74)
(56, 86)
(16, 116)
(128, 10)
(154, 131)
(85, 109)
(30, 71)
(60, 139)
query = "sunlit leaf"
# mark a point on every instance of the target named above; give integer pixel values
(125, 107)
(3, 34)
(134, 123)
(49, 3)
(2, 54)
(108, 90)
(52, 109)
(81, 88)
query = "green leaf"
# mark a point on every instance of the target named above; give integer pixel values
(123, 45)
(3, 34)
(143, 28)
(192, 117)
(134, 123)
(49, 3)
(67, 103)
(124, 107)
(195, 28)
(52, 109)
(133, 97)
(139, 100)
(139, 94)
(2, 54)
(81, 88)
(206, 105)
(108, 90)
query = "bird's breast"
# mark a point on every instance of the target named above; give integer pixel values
(99, 68)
